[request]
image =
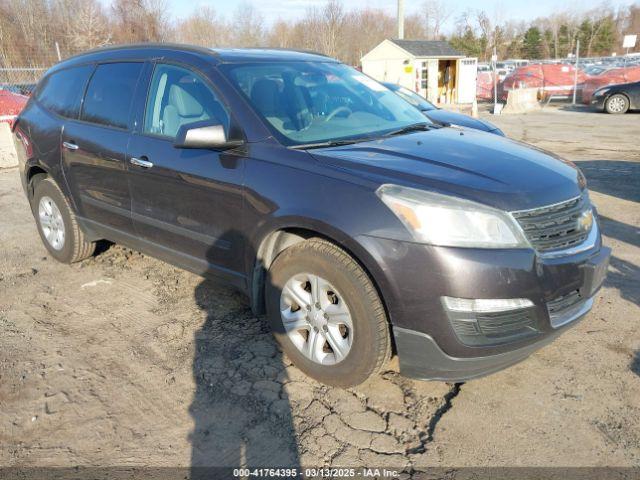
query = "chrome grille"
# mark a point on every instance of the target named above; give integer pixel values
(555, 227)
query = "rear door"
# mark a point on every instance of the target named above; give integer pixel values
(186, 203)
(94, 147)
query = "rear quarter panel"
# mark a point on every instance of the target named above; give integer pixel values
(37, 139)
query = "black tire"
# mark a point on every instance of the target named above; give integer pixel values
(371, 344)
(616, 104)
(75, 246)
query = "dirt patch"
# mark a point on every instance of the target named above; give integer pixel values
(124, 360)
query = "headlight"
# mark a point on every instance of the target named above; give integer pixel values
(442, 220)
(599, 93)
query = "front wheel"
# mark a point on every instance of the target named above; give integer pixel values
(326, 314)
(617, 103)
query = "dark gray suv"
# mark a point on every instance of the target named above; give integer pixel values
(361, 228)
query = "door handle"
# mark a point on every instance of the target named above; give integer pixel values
(70, 146)
(140, 162)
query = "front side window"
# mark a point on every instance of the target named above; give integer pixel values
(179, 97)
(308, 102)
(110, 94)
(61, 91)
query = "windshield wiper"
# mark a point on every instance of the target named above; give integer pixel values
(415, 127)
(330, 143)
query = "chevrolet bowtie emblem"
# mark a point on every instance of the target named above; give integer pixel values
(585, 220)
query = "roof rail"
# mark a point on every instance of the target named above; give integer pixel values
(147, 45)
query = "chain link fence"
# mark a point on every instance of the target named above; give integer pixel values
(16, 86)
(20, 72)
(20, 80)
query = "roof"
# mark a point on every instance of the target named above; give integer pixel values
(428, 48)
(214, 55)
(269, 54)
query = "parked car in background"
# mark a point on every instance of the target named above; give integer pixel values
(513, 63)
(11, 103)
(617, 99)
(19, 88)
(594, 70)
(439, 115)
(502, 73)
(341, 211)
(507, 67)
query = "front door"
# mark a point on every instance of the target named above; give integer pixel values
(94, 148)
(186, 203)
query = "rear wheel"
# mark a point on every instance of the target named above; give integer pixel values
(326, 314)
(57, 224)
(617, 103)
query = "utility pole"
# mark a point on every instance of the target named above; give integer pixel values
(400, 19)
(575, 72)
(494, 59)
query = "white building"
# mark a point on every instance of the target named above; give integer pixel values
(433, 69)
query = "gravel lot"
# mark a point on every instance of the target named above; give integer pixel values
(124, 360)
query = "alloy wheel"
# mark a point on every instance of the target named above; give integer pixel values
(316, 319)
(617, 104)
(51, 222)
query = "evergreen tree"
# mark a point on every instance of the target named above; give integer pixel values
(604, 41)
(565, 43)
(532, 43)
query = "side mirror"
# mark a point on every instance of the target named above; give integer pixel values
(204, 134)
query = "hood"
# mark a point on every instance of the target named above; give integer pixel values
(445, 116)
(485, 168)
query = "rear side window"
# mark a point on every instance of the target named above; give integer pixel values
(110, 94)
(61, 91)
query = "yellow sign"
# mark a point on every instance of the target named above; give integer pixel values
(408, 68)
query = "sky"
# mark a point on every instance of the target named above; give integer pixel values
(271, 10)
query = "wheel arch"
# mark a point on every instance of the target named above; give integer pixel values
(34, 175)
(283, 237)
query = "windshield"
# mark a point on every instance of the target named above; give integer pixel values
(313, 102)
(414, 99)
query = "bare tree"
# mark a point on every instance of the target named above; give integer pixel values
(436, 13)
(82, 25)
(140, 21)
(414, 27)
(205, 28)
(363, 30)
(487, 33)
(247, 27)
(331, 26)
(282, 35)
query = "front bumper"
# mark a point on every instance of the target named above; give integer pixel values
(418, 276)
(422, 358)
(598, 102)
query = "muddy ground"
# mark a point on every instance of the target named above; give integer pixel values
(124, 360)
